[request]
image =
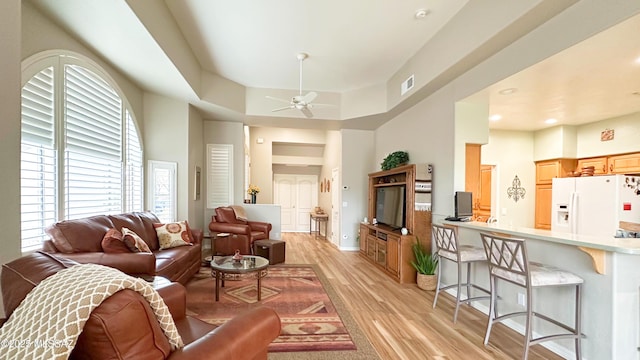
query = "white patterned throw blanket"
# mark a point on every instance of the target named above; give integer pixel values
(49, 320)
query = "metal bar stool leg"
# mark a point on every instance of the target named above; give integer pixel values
(578, 321)
(455, 313)
(435, 298)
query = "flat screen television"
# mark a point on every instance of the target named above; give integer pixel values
(463, 204)
(390, 205)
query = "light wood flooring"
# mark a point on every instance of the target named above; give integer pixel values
(398, 319)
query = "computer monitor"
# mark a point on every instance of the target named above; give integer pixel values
(463, 201)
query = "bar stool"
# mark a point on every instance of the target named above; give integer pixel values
(447, 248)
(508, 261)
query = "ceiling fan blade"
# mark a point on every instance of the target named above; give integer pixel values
(321, 105)
(309, 97)
(307, 112)
(282, 108)
(278, 99)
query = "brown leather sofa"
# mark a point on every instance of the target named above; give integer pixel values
(124, 326)
(80, 240)
(242, 232)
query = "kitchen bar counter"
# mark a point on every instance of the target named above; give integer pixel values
(619, 245)
(611, 292)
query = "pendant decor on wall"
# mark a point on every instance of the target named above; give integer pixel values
(516, 190)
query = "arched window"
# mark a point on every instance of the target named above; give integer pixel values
(80, 150)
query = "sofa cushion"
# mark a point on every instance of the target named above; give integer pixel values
(174, 260)
(148, 219)
(80, 235)
(112, 243)
(123, 324)
(172, 235)
(25, 273)
(133, 222)
(133, 241)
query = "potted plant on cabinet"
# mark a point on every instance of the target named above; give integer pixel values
(425, 264)
(394, 159)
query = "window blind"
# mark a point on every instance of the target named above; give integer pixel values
(219, 175)
(38, 159)
(93, 140)
(134, 166)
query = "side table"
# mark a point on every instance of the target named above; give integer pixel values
(318, 219)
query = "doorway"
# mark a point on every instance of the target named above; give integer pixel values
(296, 195)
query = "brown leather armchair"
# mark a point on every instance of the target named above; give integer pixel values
(242, 232)
(124, 326)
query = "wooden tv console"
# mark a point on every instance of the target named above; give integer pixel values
(385, 247)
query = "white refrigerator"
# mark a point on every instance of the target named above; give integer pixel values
(594, 205)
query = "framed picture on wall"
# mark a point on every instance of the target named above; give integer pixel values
(196, 190)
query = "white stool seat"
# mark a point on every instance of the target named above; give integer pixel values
(467, 253)
(541, 275)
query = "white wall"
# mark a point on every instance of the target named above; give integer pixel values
(196, 158)
(357, 150)
(426, 132)
(626, 136)
(331, 159)
(166, 139)
(9, 132)
(512, 154)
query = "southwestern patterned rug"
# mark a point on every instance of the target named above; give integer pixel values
(313, 320)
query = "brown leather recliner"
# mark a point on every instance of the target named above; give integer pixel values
(124, 326)
(242, 232)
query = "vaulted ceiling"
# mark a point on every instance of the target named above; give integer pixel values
(226, 57)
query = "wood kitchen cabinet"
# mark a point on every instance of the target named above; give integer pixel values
(545, 172)
(599, 164)
(624, 164)
(549, 169)
(543, 207)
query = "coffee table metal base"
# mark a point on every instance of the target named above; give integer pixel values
(221, 276)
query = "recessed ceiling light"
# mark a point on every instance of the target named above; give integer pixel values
(495, 117)
(421, 13)
(551, 121)
(507, 91)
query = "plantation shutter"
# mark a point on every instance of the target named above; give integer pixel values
(38, 159)
(93, 153)
(219, 175)
(134, 166)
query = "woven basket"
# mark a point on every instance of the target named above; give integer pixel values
(427, 282)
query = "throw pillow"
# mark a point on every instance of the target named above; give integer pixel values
(173, 234)
(133, 241)
(112, 243)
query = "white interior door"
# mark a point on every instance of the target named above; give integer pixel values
(297, 195)
(335, 206)
(284, 194)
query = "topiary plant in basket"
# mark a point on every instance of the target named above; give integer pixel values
(395, 159)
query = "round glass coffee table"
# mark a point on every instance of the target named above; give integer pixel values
(225, 268)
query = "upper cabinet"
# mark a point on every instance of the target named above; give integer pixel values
(549, 169)
(624, 164)
(599, 165)
(614, 164)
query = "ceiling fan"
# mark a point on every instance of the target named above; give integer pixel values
(300, 102)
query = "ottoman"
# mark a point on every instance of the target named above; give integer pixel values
(270, 249)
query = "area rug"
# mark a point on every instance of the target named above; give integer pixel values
(311, 321)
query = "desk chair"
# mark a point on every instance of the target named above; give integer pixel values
(447, 248)
(508, 261)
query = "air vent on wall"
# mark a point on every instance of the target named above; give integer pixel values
(406, 85)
